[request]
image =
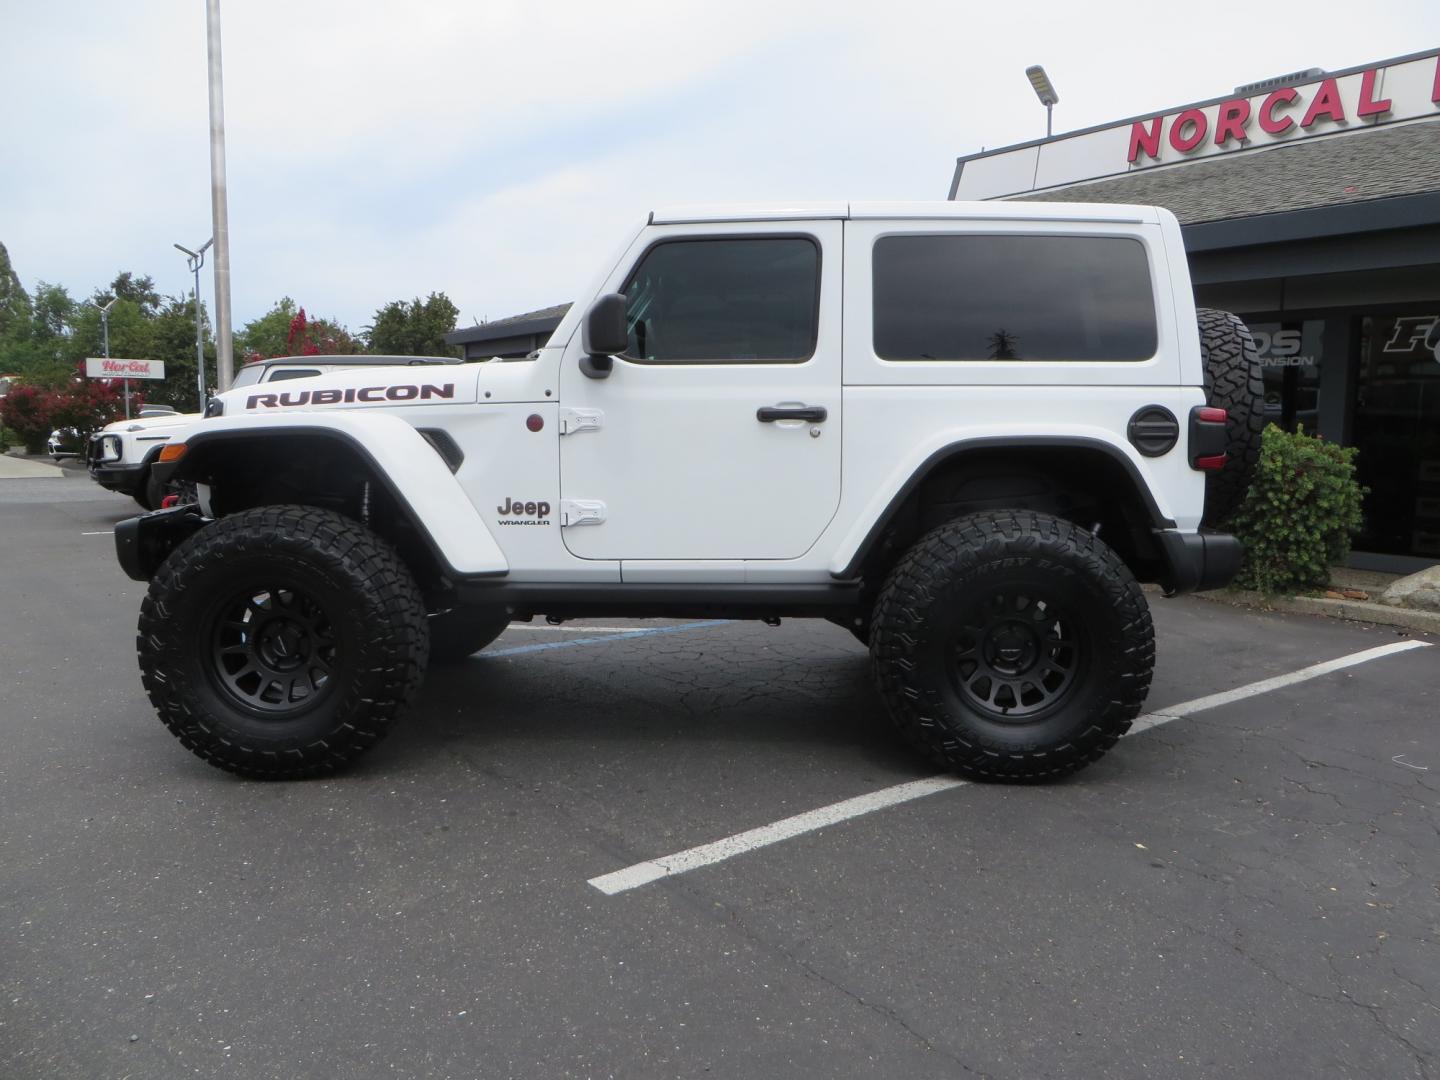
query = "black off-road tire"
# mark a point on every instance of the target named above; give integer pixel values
(1235, 382)
(457, 635)
(311, 601)
(1018, 598)
(141, 494)
(155, 491)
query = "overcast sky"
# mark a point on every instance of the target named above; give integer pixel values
(497, 150)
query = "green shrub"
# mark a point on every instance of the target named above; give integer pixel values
(1297, 519)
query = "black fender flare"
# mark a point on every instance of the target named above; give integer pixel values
(1158, 520)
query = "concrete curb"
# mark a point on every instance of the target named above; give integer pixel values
(15, 467)
(1423, 622)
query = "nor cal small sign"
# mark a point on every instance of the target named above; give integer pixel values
(113, 367)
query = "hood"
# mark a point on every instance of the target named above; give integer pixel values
(149, 422)
(359, 388)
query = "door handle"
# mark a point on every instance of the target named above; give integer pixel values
(767, 414)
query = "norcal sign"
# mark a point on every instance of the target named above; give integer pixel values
(1289, 112)
(109, 367)
(1404, 89)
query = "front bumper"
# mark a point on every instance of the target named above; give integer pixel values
(142, 543)
(122, 478)
(1198, 561)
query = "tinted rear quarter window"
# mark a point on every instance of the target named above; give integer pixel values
(991, 297)
(283, 374)
(752, 299)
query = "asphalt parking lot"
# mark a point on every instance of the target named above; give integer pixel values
(1249, 888)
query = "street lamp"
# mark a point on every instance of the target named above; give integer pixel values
(105, 324)
(195, 260)
(1044, 90)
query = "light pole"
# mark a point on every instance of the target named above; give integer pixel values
(219, 211)
(1044, 90)
(195, 260)
(105, 326)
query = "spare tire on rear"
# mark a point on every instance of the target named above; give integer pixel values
(1234, 382)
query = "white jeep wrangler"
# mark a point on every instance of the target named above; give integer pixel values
(120, 454)
(966, 432)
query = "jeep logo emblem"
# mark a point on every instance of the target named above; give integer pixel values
(516, 512)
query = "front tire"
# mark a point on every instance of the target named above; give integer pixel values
(282, 642)
(1012, 646)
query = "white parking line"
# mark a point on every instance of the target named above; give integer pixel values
(643, 873)
(107, 532)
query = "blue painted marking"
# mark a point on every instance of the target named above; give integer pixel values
(520, 650)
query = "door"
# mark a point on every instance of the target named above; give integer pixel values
(717, 433)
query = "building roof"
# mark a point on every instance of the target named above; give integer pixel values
(1374, 163)
(540, 321)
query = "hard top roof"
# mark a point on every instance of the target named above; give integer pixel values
(933, 209)
(355, 360)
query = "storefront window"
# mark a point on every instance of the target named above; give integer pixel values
(1290, 353)
(1397, 428)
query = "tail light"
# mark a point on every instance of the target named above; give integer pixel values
(1207, 438)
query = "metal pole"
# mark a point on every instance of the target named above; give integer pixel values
(224, 361)
(199, 337)
(1048, 110)
(105, 326)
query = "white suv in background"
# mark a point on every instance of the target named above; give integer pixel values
(120, 455)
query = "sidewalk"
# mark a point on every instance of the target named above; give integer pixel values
(13, 467)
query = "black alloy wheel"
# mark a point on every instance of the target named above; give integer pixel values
(273, 649)
(1017, 656)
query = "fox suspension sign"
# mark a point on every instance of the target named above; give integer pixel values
(113, 367)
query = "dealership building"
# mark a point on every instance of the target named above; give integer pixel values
(1310, 205)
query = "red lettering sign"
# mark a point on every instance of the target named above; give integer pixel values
(1268, 123)
(1196, 121)
(1230, 124)
(1326, 103)
(1149, 141)
(1368, 105)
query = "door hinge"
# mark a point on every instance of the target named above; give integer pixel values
(581, 512)
(573, 420)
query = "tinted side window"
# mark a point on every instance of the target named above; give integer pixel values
(282, 374)
(1013, 298)
(698, 301)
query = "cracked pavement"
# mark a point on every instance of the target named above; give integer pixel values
(1253, 891)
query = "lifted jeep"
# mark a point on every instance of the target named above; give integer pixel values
(965, 432)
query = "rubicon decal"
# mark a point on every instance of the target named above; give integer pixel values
(517, 512)
(401, 392)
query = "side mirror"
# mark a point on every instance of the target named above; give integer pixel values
(603, 334)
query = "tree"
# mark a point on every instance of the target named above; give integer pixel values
(172, 331)
(14, 301)
(285, 330)
(1002, 345)
(140, 291)
(414, 328)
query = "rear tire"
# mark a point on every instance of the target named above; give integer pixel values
(282, 642)
(1235, 382)
(1012, 646)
